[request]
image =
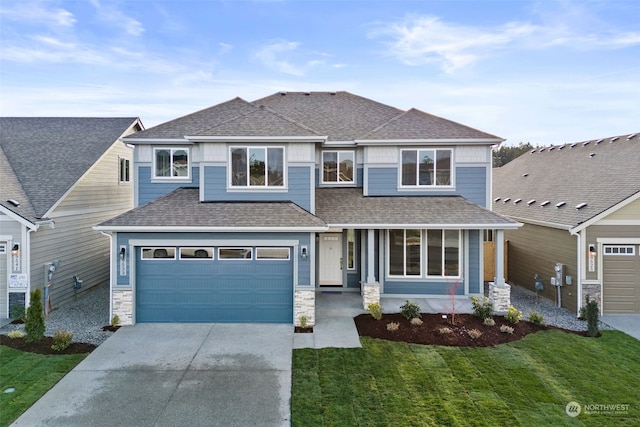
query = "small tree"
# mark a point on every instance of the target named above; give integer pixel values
(34, 323)
(452, 288)
(593, 312)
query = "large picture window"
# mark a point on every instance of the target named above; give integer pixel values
(426, 168)
(443, 253)
(171, 163)
(337, 166)
(405, 252)
(257, 167)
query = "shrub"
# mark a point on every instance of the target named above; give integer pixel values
(115, 320)
(536, 318)
(34, 323)
(61, 339)
(489, 321)
(513, 315)
(474, 333)
(410, 310)
(444, 330)
(393, 326)
(375, 310)
(18, 313)
(303, 321)
(416, 322)
(482, 307)
(506, 329)
(15, 334)
(583, 313)
(593, 312)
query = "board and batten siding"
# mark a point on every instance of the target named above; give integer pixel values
(96, 197)
(534, 249)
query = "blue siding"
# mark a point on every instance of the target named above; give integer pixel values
(299, 192)
(474, 262)
(149, 191)
(471, 183)
(421, 288)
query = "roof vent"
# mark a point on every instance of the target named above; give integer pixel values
(545, 203)
(541, 150)
(573, 145)
(598, 141)
(530, 202)
(307, 93)
(496, 200)
(516, 201)
(506, 200)
(584, 144)
(592, 155)
(615, 138)
(551, 148)
(580, 206)
(283, 93)
(526, 174)
(332, 93)
(15, 203)
(533, 151)
(633, 135)
(561, 204)
(562, 146)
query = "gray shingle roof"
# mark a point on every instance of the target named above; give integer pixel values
(600, 174)
(10, 189)
(49, 154)
(347, 206)
(182, 208)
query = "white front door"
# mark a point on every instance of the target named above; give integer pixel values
(330, 259)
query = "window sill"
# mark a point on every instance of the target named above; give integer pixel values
(257, 189)
(180, 180)
(428, 188)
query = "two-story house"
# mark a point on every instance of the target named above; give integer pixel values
(246, 209)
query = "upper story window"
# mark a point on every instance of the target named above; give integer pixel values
(337, 166)
(257, 167)
(171, 163)
(426, 167)
(123, 170)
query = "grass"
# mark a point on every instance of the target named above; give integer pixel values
(525, 383)
(32, 375)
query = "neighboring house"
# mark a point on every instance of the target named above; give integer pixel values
(580, 205)
(246, 209)
(58, 178)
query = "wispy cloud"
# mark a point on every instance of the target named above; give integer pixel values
(289, 58)
(111, 14)
(37, 13)
(419, 40)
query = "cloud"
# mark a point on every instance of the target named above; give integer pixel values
(420, 40)
(113, 16)
(289, 57)
(37, 13)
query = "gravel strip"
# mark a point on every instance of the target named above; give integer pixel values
(527, 301)
(84, 316)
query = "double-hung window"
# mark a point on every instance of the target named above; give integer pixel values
(426, 167)
(337, 166)
(443, 253)
(405, 253)
(123, 169)
(257, 167)
(171, 163)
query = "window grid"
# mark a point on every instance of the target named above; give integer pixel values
(628, 250)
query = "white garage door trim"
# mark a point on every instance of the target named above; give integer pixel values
(610, 242)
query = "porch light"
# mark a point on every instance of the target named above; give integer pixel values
(15, 250)
(123, 252)
(592, 250)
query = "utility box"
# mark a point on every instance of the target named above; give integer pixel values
(559, 269)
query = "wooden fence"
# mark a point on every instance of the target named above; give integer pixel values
(490, 261)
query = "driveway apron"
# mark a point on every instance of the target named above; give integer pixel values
(176, 374)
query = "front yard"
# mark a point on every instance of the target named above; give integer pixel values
(525, 383)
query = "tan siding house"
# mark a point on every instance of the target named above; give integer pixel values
(53, 201)
(580, 204)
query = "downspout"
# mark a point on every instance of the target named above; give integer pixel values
(579, 268)
(110, 236)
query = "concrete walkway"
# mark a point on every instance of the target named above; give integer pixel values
(176, 374)
(627, 323)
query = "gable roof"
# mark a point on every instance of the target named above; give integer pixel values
(336, 116)
(594, 174)
(48, 155)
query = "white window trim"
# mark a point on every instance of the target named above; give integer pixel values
(128, 164)
(194, 258)
(288, 258)
(171, 178)
(632, 247)
(433, 186)
(404, 257)
(235, 259)
(355, 252)
(248, 187)
(338, 152)
(158, 259)
(443, 254)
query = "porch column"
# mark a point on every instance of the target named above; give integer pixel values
(499, 291)
(370, 289)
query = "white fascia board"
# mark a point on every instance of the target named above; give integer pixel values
(155, 141)
(22, 220)
(248, 138)
(542, 223)
(187, 229)
(605, 213)
(431, 225)
(339, 144)
(450, 141)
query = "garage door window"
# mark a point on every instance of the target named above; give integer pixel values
(235, 253)
(619, 250)
(272, 253)
(159, 253)
(196, 253)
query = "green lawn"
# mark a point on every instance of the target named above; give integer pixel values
(31, 375)
(526, 383)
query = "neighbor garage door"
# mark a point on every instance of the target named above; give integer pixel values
(621, 277)
(211, 284)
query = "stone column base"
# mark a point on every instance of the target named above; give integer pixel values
(304, 304)
(123, 306)
(594, 290)
(501, 297)
(370, 294)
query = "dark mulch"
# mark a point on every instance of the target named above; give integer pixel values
(44, 346)
(301, 330)
(429, 331)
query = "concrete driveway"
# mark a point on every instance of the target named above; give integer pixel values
(170, 374)
(627, 323)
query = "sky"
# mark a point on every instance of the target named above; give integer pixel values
(545, 72)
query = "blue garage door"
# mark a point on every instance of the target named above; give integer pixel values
(214, 285)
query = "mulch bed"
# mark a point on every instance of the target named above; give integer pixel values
(44, 346)
(429, 331)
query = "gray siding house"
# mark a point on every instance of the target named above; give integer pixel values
(580, 205)
(59, 177)
(245, 210)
